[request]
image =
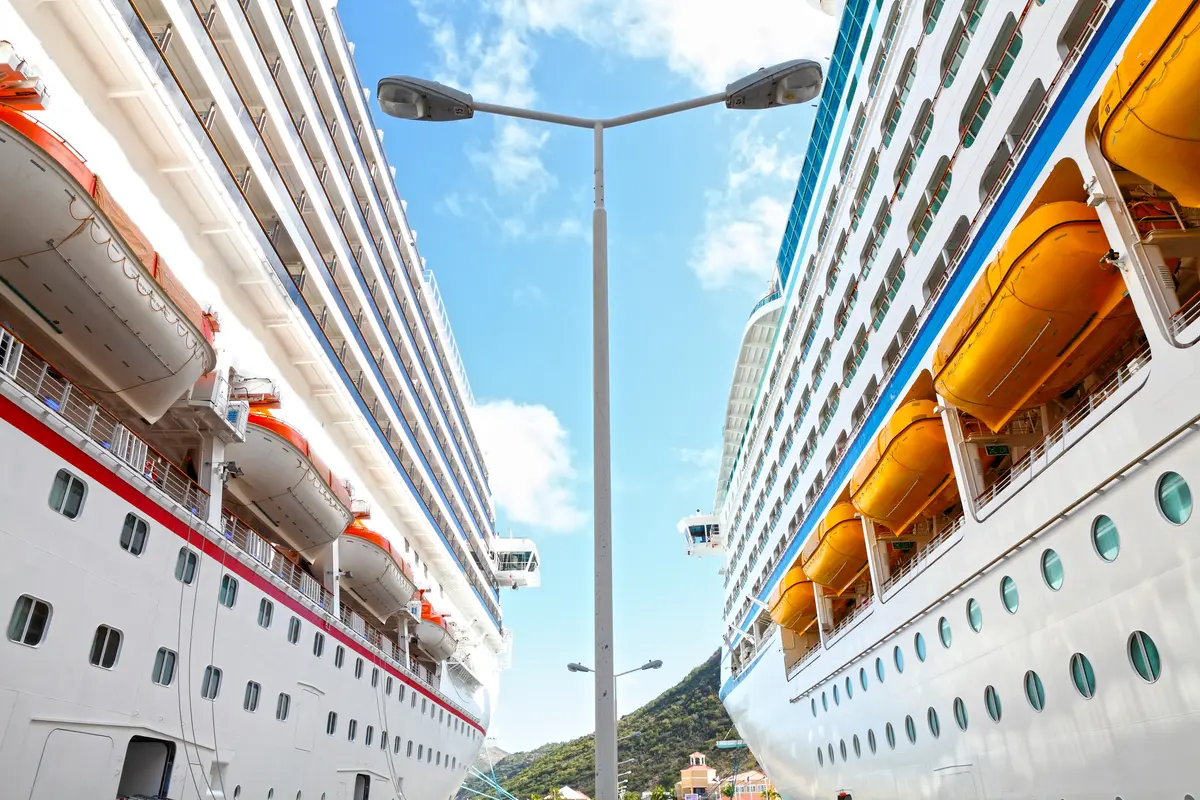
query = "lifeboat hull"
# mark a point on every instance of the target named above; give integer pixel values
(288, 485)
(841, 553)
(435, 640)
(793, 603)
(371, 571)
(906, 470)
(1148, 116)
(1046, 312)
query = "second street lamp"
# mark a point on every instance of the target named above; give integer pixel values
(787, 83)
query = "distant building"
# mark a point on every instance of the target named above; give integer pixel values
(695, 779)
(752, 785)
(567, 793)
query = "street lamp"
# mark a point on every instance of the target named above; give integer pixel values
(575, 666)
(788, 83)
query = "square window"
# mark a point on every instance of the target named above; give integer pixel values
(29, 622)
(67, 494)
(133, 535)
(266, 610)
(250, 701)
(210, 687)
(283, 706)
(106, 646)
(352, 730)
(374, 677)
(185, 566)
(331, 723)
(339, 656)
(358, 668)
(294, 630)
(229, 589)
(387, 686)
(164, 667)
(370, 735)
(318, 644)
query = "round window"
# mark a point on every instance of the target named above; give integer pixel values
(862, 677)
(944, 632)
(1105, 538)
(837, 696)
(849, 688)
(898, 658)
(1144, 655)
(857, 747)
(842, 748)
(871, 741)
(1083, 676)
(960, 713)
(992, 701)
(1034, 691)
(890, 734)
(910, 729)
(820, 757)
(919, 646)
(974, 615)
(1174, 498)
(879, 669)
(1052, 570)
(1008, 594)
(814, 706)
(831, 760)
(824, 701)
(935, 727)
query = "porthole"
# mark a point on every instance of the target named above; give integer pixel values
(1143, 653)
(1052, 570)
(1083, 676)
(910, 729)
(871, 741)
(837, 696)
(862, 677)
(857, 747)
(824, 701)
(890, 734)
(1034, 692)
(831, 760)
(1174, 498)
(879, 669)
(898, 658)
(935, 727)
(849, 688)
(814, 707)
(1008, 594)
(992, 701)
(842, 749)
(820, 757)
(944, 632)
(974, 615)
(960, 713)
(1105, 538)
(919, 646)
(237, 791)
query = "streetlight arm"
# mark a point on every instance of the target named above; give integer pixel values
(536, 116)
(611, 122)
(662, 111)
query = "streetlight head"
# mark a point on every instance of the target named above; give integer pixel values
(575, 667)
(413, 98)
(655, 664)
(784, 84)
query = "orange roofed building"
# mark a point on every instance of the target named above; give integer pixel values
(695, 779)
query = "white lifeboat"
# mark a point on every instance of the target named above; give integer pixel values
(516, 563)
(702, 533)
(433, 633)
(373, 571)
(72, 259)
(280, 477)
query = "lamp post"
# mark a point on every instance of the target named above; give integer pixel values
(788, 83)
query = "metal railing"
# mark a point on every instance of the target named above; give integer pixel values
(442, 320)
(848, 621)
(1036, 460)
(924, 554)
(23, 366)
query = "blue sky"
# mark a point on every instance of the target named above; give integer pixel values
(503, 215)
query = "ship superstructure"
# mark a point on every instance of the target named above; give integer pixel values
(201, 606)
(955, 500)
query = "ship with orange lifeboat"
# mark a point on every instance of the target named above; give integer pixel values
(250, 546)
(961, 564)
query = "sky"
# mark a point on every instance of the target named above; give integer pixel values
(502, 209)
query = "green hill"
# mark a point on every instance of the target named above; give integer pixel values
(685, 718)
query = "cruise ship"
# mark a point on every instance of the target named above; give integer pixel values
(954, 507)
(249, 548)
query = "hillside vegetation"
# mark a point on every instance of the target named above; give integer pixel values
(685, 718)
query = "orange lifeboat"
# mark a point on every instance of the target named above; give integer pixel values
(793, 602)
(841, 554)
(288, 484)
(433, 633)
(1149, 122)
(1043, 316)
(374, 571)
(906, 470)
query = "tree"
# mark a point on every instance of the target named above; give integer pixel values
(771, 794)
(631, 796)
(660, 793)
(727, 789)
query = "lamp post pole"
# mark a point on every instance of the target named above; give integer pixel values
(788, 83)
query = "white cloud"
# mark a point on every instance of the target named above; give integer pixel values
(707, 458)
(529, 464)
(529, 295)
(514, 159)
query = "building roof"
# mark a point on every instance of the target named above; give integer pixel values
(693, 755)
(567, 793)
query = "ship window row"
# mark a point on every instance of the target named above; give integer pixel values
(302, 203)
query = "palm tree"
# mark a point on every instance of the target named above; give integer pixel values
(770, 794)
(727, 789)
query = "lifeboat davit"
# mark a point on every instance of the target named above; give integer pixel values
(374, 571)
(1042, 316)
(1148, 117)
(288, 484)
(793, 602)
(906, 470)
(76, 260)
(434, 634)
(841, 554)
